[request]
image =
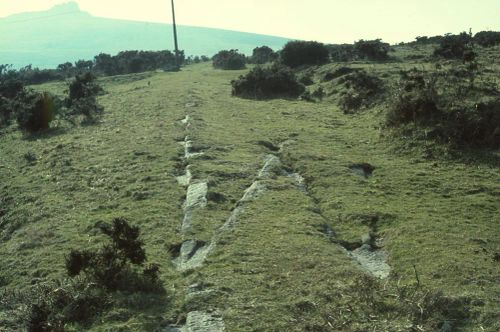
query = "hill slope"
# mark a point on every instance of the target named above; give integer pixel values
(254, 212)
(64, 33)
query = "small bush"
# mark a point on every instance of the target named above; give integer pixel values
(453, 46)
(448, 112)
(35, 110)
(83, 91)
(10, 88)
(487, 38)
(342, 53)
(264, 83)
(362, 90)
(51, 306)
(111, 267)
(374, 50)
(299, 53)
(229, 60)
(263, 54)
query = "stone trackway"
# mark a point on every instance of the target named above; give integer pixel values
(193, 253)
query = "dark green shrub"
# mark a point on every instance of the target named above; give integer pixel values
(342, 53)
(84, 86)
(264, 83)
(51, 306)
(453, 46)
(446, 109)
(374, 50)
(35, 110)
(487, 38)
(111, 267)
(263, 54)
(361, 90)
(83, 91)
(229, 60)
(10, 88)
(415, 100)
(299, 53)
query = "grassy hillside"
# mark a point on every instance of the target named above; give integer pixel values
(64, 33)
(280, 255)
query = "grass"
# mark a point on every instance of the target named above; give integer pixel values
(275, 270)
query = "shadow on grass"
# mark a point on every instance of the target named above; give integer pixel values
(45, 134)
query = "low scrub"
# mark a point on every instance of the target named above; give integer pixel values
(300, 53)
(394, 308)
(487, 38)
(82, 98)
(447, 109)
(229, 60)
(361, 90)
(373, 50)
(342, 52)
(262, 55)
(115, 265)
(34, 110)
(454, 46)
(94, 276)
(268, 82)
(52, 306)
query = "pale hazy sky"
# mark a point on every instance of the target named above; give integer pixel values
(330, 21)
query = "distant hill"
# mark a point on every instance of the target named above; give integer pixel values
(65, 33)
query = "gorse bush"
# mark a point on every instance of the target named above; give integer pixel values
(111, 267)
(361, 90)
(342, 53)
(447, 109)
(268, 82)
(51, 306)
(374, 50)
(72, 304)
(454, 46)
(35, 110)
(299, 53)
(263, 54)
(9, 89)
(229, 60)
(487, 38)
(82, 98)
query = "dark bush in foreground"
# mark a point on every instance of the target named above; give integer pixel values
(229, 60)
(448, 111)
(112, 266)
(299, 53)
(261, 55)
(362, 90)
(263, 83)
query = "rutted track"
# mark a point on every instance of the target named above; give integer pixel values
(193, 253)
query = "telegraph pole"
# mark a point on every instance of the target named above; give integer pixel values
(177, 64)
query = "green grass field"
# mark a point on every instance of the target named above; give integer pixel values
(281, 265)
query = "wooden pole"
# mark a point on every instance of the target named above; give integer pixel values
(177, 64)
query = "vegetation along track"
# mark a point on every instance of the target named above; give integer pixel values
(256, 209)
